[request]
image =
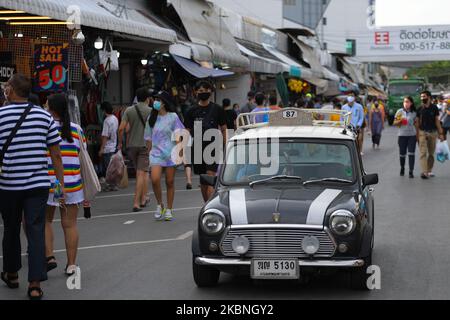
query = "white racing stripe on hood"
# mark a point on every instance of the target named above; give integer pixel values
(238, 207)
(319, 206)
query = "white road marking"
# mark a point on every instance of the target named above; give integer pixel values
(113, 215)
(132, 194)
(129, 222)
(182, 237)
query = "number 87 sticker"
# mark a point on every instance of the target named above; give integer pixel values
(47, 77)
(289, 114)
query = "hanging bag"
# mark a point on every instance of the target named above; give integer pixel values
(109, 59)
(91, 184)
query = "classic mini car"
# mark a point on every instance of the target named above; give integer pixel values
(292, 198)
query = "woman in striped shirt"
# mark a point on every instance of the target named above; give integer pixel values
(73, 184)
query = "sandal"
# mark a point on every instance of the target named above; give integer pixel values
(51, 265)
(39, 297)
(70, 270)
(7, 279)
(146, 203)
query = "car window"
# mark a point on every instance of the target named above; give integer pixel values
(255, 160)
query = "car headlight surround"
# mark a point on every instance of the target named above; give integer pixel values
(212, 221)
(342, 222)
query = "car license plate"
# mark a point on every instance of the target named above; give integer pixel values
(275, 269)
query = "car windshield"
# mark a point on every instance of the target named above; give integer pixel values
(251, 161)
(405, 89)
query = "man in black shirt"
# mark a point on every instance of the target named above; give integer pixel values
(230, 114)
(205, 115)
(427, 129)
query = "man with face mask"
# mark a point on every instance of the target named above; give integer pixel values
(206, 115)
(357, 116)
(427, 129)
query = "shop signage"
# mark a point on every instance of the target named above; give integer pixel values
(51, 67)
(6, 71)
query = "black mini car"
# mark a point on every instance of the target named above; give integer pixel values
(291, 198)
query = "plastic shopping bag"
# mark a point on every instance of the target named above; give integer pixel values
(116, 168)
(442, 151)
(124, 182)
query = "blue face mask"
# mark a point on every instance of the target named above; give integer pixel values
(157, 105)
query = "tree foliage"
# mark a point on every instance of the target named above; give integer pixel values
(431, 70)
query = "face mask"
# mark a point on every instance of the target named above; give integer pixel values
(204, 96)
(350, 99)
(424, 101)
(157, 105)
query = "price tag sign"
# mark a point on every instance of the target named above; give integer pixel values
(51, 67)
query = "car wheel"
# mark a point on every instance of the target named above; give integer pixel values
(359, 276)
(205, 276)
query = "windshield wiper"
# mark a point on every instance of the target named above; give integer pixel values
(327, 180)
(279, 177)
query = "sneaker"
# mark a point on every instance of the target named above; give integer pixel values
(159, 213)
(431, 174)
(402, 172)
(169, 215)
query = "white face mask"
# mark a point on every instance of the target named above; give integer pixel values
(350, 99)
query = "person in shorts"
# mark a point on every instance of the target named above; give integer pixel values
(134, 120)
(206, 115)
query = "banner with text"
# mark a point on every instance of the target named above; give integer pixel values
(51, 67)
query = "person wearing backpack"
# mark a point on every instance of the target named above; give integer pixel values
(133, 121)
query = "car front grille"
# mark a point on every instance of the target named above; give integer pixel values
(277, 243)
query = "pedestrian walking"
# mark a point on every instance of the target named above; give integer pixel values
(109, 139)
(230, 114)
(445, 119)
(273, 103)
(406, 120)
(27, 133)
(428, 128)
(376, 124)
(250, 105)
(260, 99)
(73, 184)
(133, 119)
(162, 133)
(357, 117)
(206, 115)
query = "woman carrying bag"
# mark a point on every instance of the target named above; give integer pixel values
(75, 194)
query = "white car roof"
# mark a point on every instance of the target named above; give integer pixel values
(317, 132)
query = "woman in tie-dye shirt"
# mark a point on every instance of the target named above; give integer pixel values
(162, 133)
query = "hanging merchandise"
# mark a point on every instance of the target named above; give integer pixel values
(299, 86)
(109, 59)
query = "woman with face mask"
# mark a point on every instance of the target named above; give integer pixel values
(406, 119)
(162, 134)
(376, 123)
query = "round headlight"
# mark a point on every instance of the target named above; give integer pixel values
(342, 222)
(240, 245)
(213, 221)
(310, 245)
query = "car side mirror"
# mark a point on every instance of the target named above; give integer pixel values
(208, 180)
(370, 179)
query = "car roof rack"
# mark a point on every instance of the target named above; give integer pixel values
(295, 117)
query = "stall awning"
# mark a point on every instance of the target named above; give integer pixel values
(298, 70)
(352, 70)
(95, 14)
(198, 71)
(204, 26)
(189, 50)
(261, 64)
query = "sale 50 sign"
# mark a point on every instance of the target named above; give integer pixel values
(51, 67)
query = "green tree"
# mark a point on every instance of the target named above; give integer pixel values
(431, 70)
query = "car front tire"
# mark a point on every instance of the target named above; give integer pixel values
(359, 276)
(205, 276)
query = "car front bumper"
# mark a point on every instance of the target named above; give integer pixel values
(227, 262)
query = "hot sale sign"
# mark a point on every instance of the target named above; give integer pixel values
(51, 67)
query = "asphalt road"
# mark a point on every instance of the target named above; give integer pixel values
(125, 255)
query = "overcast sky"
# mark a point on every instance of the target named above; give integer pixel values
(412, 12)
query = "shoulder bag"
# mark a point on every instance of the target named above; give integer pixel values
(91, 184)
(13, 134)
